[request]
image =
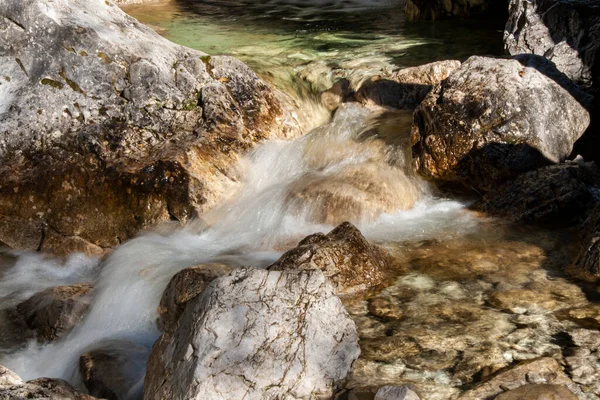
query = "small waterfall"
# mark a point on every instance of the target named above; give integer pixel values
(352, 168)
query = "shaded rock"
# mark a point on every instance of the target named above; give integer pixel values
(492, 120)
(256, 334)
(567, 32)
(183, 287)
(108, 128)
(561, 194)
(587, 263)
(114, 370)
(55, 311)
(441, 9)
(396, 393)
(344, 255)
(405, 88)
(12, 387)
(538, 371)
(538, 392)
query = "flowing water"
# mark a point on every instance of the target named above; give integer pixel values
(349, 168)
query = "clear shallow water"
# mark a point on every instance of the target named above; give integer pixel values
(286, 184)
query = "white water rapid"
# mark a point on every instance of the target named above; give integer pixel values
(350, 168)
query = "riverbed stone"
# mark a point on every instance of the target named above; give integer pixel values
(344, 255)
(559, 195)
(492, 120)
(183, 287)
(9, 378)
(114, 370)
(538, 392)
(396, 393)
(538, 371)
(405, 88)
(256, 334)
(108, 128)
(55, 311)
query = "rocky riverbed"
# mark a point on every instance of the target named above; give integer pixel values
(341, 222)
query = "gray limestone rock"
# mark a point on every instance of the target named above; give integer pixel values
(256, 334)
(492, 120)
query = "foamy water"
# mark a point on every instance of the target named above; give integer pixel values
(263, 220)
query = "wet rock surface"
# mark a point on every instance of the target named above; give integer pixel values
(477, 316)
(183, 287)
(567, 32)
(563, 194)
(405, 88)
(492, 120)
(258, 334)
(12, 387)
(107, 128)
(55, 311)
(538, 392)
(114, 370)
(346, 258)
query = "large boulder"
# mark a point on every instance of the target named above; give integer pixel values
(492, 120)
(405, 88)
(107, 128)
(55, 311)
(114, 370)
(567, 32)
(14, 388)
(344, 255)
(183, 287)
(561, 195)
(256, 334)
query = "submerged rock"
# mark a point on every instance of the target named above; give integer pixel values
(12, 387)
(396, 393)
(538, 371)
(405, 88)
(114, 370)
(561, 194)
(256, 334)
(183, 287)
(108, 128)
(55, 311)
(344, 255)
(538, 392)
(492, 120)
(567, 32)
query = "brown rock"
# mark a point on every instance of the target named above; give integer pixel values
(538, 392)
(406, 88)
(492, 120)
(12, 387)
(183, 287)
(114, 370)
(440, 9)
(344, 255)
(561, 194)
(538, 371)
(587, 316)
(55, 311)
(108, 134)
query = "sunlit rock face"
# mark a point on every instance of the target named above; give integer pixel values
(107, 128)
(492, 120)
(256, 334)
